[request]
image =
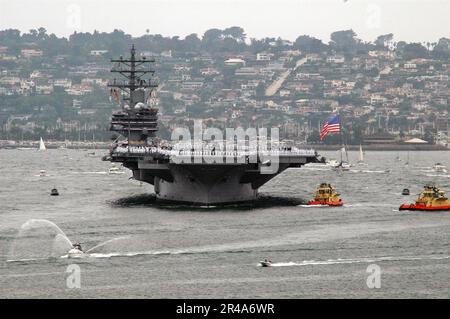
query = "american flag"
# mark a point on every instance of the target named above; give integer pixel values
(332, 125)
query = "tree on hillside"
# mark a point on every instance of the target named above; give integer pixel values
(383, 41)
(192, 42)
(212, 35)
(236, 33)
(414, 51)
(344, 41)
(42, 33)
(309, 44)
(442, 49)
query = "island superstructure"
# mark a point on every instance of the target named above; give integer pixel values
(188, 172)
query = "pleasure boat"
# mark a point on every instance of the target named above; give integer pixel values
(439, 168)
(76, 251)
(361, 156)
(114, 170)
(265, 263)
(332, 163)
(42, 145)
(342, 166)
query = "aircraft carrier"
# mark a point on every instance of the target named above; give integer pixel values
(199, 172)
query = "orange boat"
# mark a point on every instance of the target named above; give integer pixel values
(430, 199)
(326, 195)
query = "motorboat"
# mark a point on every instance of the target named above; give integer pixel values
(326, 195)
(332, 163)
(76, 251)
(342, 166)
(439, 168)
(54, 192)
(42, 172)
(114, 170)
(432, 198)
(405, 191)
(265, 263)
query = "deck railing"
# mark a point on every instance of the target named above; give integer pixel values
(148, 150)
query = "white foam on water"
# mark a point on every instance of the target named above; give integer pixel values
(368, 205)
(315, 168)
(98, 172)
(369, 171)
(134, 254)
(358, 260)
(24, 260)
(319, 234)
(437, 175)
(313, 206)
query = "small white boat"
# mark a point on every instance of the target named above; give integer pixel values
(439, 168)
(42, 172)
(76, 251)
(342, 166)
(265, 263)
(361, 156)
(42, 145)
(332, 163)
(114, 170)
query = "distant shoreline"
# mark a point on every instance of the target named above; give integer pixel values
(381, 147)
(318, 147)
(55, 145)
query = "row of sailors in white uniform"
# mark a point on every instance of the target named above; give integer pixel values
(209, 152)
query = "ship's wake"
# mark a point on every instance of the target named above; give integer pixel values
(358, 260)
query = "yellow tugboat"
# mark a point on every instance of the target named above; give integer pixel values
(326, 195)
(431, 199)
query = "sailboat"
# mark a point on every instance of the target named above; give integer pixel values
(42, 145)
(343, 165)
(361, 156)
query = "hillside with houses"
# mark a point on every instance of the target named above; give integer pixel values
(389, 90)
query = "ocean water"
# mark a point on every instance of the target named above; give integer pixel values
(141, 248)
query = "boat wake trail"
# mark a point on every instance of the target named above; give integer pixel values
(320, 234)
(370, 171)
(359, 260)
(437, 175)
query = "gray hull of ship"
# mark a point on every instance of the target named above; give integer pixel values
(205, 184)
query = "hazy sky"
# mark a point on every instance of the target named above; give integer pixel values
(409, 20)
